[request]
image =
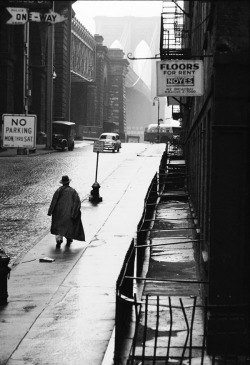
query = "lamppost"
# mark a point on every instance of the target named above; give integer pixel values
(158, 119)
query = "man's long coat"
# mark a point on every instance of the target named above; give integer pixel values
(66, 214)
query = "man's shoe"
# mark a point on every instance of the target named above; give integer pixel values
(58, 244)
(69, 241)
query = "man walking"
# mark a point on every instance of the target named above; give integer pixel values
(65, 209)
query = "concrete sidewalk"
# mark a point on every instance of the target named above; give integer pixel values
(64, 312)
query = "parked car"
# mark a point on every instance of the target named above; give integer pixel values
(111, 141)
(41, 138)
(63, 135)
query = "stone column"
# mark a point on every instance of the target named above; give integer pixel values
(101, 76)
(117, 91)
(62, 54)
(93, 130)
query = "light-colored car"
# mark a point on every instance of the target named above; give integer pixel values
(111, 141)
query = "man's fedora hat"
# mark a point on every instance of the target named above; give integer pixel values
(65, 180)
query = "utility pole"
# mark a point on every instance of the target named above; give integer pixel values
(50, 62)
(26, 91)
(158, 118)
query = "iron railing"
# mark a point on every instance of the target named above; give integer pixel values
(177, 333)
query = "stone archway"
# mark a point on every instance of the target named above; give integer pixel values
(130, 32)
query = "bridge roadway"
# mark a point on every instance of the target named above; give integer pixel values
(64, 312)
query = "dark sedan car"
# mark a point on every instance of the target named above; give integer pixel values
(63, 135)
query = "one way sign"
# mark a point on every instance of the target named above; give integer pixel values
(18, 16)
(22, 16)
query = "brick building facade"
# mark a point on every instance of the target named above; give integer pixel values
(99, 105)
(17, 96)
(216, 128)
(89, 83)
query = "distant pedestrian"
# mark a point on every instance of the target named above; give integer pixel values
(65, 209)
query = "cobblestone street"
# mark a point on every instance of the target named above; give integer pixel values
(28, 183)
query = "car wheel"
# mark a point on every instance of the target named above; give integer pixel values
(64, 145)
(71, 147)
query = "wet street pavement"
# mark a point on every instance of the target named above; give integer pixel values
(27, 184)
(26, 188)
(64, 312)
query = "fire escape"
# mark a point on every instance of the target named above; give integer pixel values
(173, 41)
(173, 34)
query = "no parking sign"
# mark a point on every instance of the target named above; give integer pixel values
(19, 131)
(98, 146)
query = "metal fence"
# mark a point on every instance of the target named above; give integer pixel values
(177, 333)
(133, 262)
(145, 222)
(170, 329)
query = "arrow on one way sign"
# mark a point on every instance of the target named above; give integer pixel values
(22, 16)
(18, 16)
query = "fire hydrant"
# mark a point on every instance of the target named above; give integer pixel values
(4, 276)
(95, 197)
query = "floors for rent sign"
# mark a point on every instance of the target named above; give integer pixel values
(179, 78)
(19, 131)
